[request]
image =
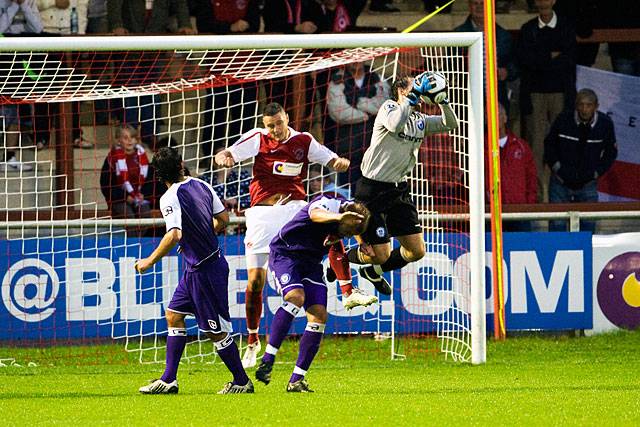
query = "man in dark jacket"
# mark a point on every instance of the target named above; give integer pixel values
(546, 54)
(504, 48)
(579, 149)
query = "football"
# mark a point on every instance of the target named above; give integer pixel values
(438, 93)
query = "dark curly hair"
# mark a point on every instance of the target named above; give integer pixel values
(168, 164)
(356, 207)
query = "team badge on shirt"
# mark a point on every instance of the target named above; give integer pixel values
(284, 279)
(168, 211)
(380, 231)
(213, 324)
(420, 124)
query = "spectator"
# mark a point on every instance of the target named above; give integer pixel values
(353, 100)
(517, 171)
(56, 19)
(334, 17)
(123, 175)
(547, 62)
(229, 110)
(19, 16)
(56, 15)
(16, 17)
(320, 183)
(232, 189)
(579, 149)
(504, 48)
(141, 16)
(625, 57)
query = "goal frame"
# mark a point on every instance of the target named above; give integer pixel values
(472, 41)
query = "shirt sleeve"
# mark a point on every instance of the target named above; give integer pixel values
(218, 207)
(448, 121)
(327, 204)
(171, 211)
(393, 115)
(33, 23)
(247, 146)
(318, 153)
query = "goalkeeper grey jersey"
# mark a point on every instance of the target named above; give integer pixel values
(397, 134)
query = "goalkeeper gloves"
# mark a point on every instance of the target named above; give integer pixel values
(413, 98)
(423, 83)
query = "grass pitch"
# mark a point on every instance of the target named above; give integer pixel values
(526, 381)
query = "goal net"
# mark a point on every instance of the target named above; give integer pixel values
(78, 199)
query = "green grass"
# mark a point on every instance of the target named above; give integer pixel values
(526, 381)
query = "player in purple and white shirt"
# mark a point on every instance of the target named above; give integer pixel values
(295, 262)
(193, 214)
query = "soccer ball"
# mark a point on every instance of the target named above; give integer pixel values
(438, 93)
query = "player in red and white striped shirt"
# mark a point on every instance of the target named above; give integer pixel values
(281, 157)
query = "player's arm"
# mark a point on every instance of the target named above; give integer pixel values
(220, 221)
(324, 211)
(319, 153)
(446, 122)
(394, 115)
(172, 214)
(246, 147)
(168, 242)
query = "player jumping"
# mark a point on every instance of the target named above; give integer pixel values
(281, 157)
(398, 132)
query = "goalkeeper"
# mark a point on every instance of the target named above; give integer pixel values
(398, 132)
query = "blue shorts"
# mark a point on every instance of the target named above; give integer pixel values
(204, 293)
(290, 273)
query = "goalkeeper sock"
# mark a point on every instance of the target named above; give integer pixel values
(176, 340)
(228, 352)
(253, 309)
(282, 321)
(395, 261)
(309, 346)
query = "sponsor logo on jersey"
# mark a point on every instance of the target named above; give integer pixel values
(284, 279)
(380, 231)
(287, 169)
(420, 124)
(410, 138)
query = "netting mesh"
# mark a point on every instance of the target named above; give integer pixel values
(70, 243)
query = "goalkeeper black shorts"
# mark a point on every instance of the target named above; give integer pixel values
(393, 213)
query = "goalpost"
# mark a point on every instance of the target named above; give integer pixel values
(67, 274)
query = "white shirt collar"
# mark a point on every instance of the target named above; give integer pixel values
(551, 24)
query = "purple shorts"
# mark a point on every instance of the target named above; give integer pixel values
(204, 293)
(290, 273)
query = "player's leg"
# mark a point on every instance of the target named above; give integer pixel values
(209, 290)
(402, 222)
(293, 301)
(179, 307)
(316, 309)
(339, 266)
(257, 275)
(230, 355)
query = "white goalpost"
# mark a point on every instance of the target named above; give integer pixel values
(68, 277)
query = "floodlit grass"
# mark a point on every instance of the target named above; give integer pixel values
(526, 381)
